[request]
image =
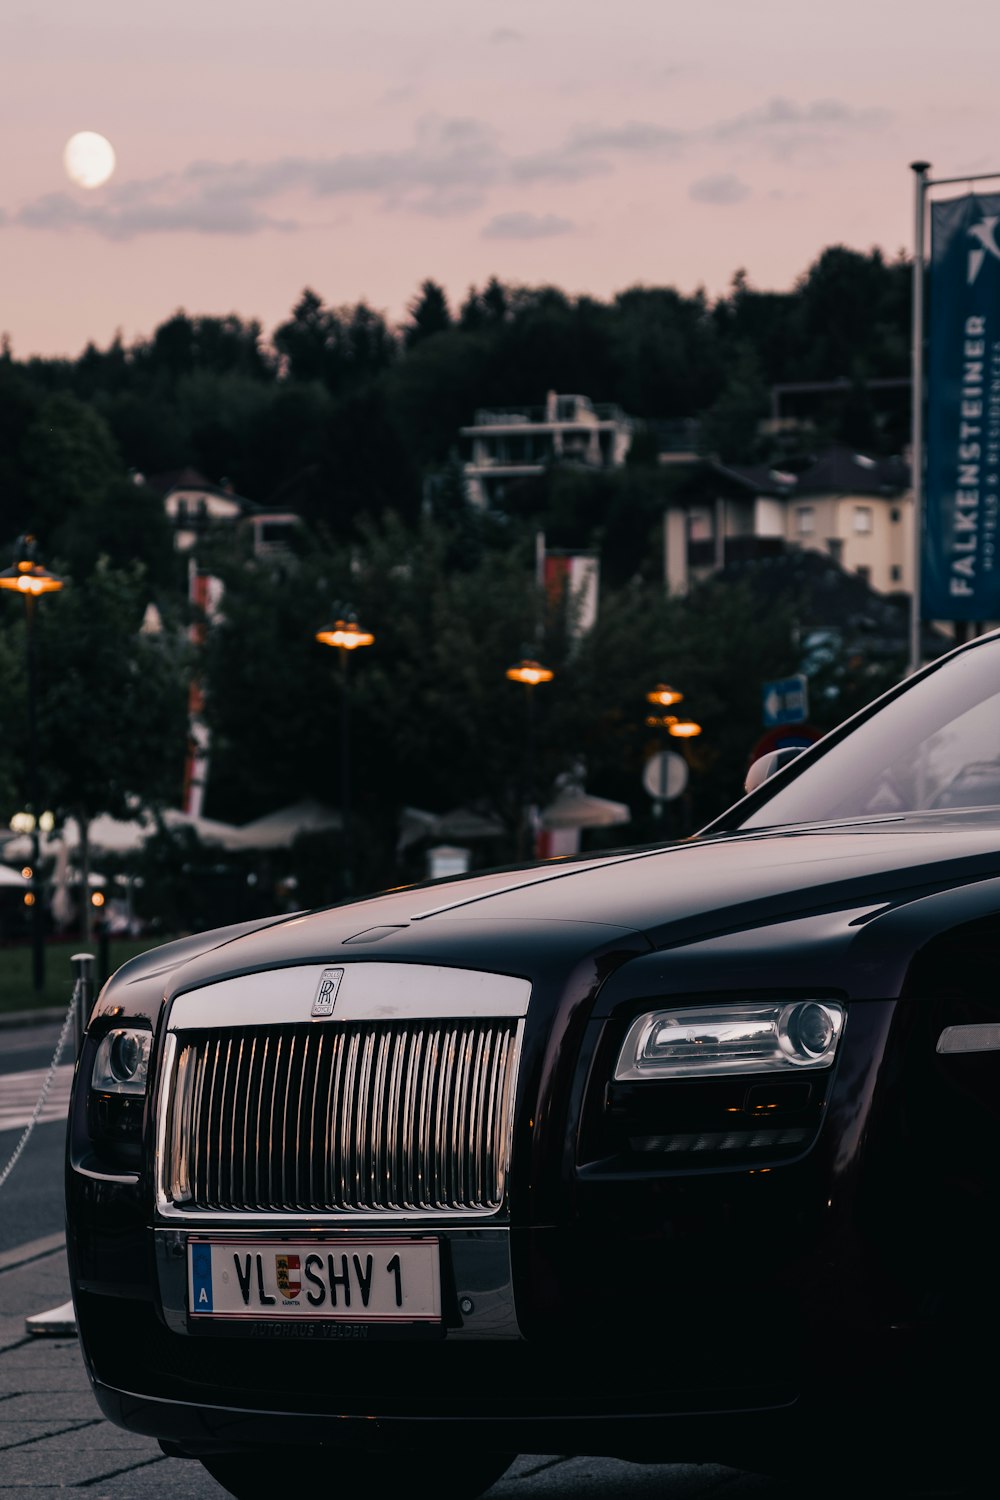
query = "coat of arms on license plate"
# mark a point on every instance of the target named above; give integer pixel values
(287, 1273)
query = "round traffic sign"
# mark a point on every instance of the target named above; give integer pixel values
(665, 775)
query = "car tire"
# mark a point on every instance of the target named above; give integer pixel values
(260, 1475)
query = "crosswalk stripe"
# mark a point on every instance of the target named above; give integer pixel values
(20, 1092)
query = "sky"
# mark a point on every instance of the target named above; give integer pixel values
(359, 149)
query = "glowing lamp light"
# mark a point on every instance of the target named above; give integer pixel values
(660, 721)
(347, 634)
(530, 672)
(27, 872)
(684, 729)
(664, 696)
(26, 575)
(97, 898)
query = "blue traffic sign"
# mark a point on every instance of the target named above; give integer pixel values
(786, 702)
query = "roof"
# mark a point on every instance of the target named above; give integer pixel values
(838, 471)
(843, 472)
(188, 478)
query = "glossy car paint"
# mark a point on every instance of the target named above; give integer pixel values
(675, 1307)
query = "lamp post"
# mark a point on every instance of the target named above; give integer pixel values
(26, 576)
(530, 673)
(346, 635)
(662, 697)
(685, 729)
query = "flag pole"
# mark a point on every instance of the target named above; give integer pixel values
(922, 184)
(920, 170)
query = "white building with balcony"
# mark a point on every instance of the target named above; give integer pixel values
(507, 444)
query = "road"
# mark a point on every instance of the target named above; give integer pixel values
(31, 1198)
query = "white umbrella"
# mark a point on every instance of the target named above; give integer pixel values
(280, 829)
(575, 808)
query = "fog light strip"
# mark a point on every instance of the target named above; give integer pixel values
(718, 1140)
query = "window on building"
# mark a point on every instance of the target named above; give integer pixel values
(864, 573)
(805, 520)
(895, 513)
(863, 519)
(835, 547)
(895, 573)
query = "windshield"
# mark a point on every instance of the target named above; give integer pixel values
(936, 746)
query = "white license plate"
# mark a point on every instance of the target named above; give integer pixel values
(349, 1280)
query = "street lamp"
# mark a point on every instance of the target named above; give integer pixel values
(26, 576)
(531, 674)
(664, 696)
(346, 635)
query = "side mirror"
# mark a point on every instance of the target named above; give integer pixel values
(768, 764)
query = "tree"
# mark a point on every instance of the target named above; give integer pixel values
(729, 428)
(70, 461)
(429, 314)
(112, 702)
(306, 342)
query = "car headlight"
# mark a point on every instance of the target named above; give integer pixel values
(122, 1062)
(715, 1040)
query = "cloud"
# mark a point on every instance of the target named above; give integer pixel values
(123, 221)
(725, 188)
(525, 226)
(565, 164)
(785, 128)
(449, 168)
(634, 135)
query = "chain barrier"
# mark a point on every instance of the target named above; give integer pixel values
(76, 1018)
(47, 1084)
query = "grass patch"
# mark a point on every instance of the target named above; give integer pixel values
(17, 989)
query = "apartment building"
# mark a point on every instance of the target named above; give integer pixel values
(854, 509)
(511, 443)
(196, 507)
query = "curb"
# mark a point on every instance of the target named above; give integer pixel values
(39, 1017)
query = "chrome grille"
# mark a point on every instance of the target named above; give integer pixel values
(363, 1117)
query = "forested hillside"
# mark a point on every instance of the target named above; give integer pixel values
(353, 424)
(336, 413)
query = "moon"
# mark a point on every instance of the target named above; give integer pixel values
(89, 159)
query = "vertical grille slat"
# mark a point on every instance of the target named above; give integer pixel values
(365, 1117)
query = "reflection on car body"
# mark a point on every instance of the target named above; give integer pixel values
(664, 1153)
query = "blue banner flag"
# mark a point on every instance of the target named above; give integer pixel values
(960, 562)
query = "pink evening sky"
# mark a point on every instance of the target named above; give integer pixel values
(361, 148)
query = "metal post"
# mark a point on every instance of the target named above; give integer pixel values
(345, 774)
(528, 850)
(920, 170)
(82, 965)
(37, 911)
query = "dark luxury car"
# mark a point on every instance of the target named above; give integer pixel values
(677, 1153)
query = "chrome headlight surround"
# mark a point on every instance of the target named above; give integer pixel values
(720, 1039)
(121, 1065)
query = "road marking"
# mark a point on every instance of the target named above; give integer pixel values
(20, 1092)
(33, 1250)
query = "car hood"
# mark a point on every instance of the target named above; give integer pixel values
(644, 898)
